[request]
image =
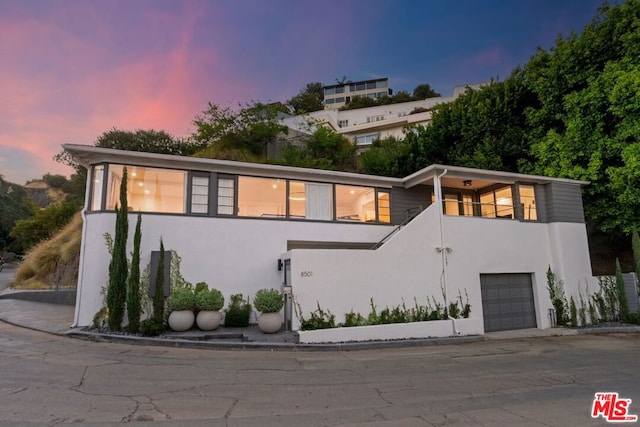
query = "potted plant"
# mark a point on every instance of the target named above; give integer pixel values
(181, 304)
(209, 302)
(238, 312)
(269, 302)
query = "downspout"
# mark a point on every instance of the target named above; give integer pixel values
(443, 250)
(83, 214)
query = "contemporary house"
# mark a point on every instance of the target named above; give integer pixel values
(364, 125)
(339, 239)
(339, 95)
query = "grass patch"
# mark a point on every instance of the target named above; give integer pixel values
(53, 263)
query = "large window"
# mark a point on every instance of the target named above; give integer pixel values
(497, 203)
(96, 188)
(384, 207)
(355, 203)
(148, 189)
(310, 200)
(528, 202)
(261, 197)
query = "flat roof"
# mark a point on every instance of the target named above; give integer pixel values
(89, 155)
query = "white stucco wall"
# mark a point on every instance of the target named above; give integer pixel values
(235, 255)
(409, 266)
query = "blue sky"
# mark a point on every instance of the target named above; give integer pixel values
(74, 69)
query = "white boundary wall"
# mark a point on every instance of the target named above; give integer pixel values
(396, 331)
(235, 255)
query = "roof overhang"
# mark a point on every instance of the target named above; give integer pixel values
(89, 155)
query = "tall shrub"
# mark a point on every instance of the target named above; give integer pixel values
(556, 293)
(158, 299)
(118, 269)
(622, 295)
(635, 243)
(133, 288)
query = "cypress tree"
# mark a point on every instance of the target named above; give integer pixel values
(158, 298)
(118, 269)
(133, 288)
(635, 243)
(622, 296)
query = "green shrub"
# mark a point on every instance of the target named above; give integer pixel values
(319, 319)
(151, 327)
(182, 299)
(354, 319)
(209, 300)
(238, 312)
(634, 318)
(556, 294)
(573, 312)
(201, 286)
(268, 301)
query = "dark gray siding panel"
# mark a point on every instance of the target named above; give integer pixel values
(564, 202)
(403, 199)
(542, 206)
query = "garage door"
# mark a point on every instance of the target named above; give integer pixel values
(507, 302)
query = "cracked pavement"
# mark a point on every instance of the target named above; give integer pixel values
(49, 380)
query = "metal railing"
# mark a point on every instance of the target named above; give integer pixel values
(411, 214)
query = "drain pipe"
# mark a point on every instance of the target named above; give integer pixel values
(443, 250)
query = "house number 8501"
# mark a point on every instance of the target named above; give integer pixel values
(306, 273)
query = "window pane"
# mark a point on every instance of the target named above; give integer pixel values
(487, 205)
(261, 197)
(149, 189)
(310, 200)
(225, 196)
(96, 188)
(340, 89)
(504, 203)
(200, 194)
(528, 202)
(355, 203)
(451, 204)
(467, 201)
(329, 91)
(360, 86)
(384, 208)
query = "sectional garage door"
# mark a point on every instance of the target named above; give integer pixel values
(507, 302)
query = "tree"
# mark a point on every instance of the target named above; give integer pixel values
(14, 206)
(386, 157)
(635, 243)
(622, 295)
(133, 283)
(251, 129)
(158, 297)
(118, 269)
(424, 91)
(308, 99)
(325, 149)
(44, 224)
(149, 141)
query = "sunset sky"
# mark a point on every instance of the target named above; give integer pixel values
(71, 70)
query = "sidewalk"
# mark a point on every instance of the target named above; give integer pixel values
(58, 318)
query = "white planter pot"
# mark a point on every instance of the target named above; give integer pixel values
(181, 320)
(270, 323)
(208, 320)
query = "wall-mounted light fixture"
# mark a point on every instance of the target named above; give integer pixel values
(467, 183)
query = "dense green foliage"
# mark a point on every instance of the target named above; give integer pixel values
(268, 301)
(14, 206)
(557, 296)
(158, 297)
(118, 267)
(307, 100)
(572, 111)
(134, 308)
(238, 312)
(224, 131)
(325, 149)
(622, 295)
(209, 300)
(44, 224)
(181, 299)
(635, 243)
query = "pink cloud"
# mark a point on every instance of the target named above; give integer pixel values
(491, 57)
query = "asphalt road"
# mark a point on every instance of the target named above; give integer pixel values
(48, 379)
